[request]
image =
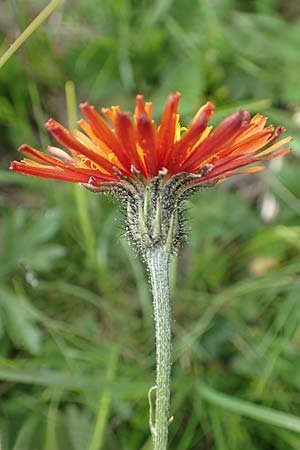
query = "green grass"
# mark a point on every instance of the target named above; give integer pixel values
(76, 333)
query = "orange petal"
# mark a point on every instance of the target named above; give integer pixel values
(223, 135)
(167, 129)
(99, 127)
(64, 137)
(127, 137)
(275, 146)
(147, 137)
(192, 135)
(48, 172)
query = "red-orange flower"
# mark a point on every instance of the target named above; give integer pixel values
(102, 153)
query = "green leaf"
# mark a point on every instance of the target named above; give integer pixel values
(19, 323)
(25, 241)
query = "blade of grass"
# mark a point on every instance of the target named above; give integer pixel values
(51, 423)
(71, 103)
(217, 430)
(81, 203)
(250, 105)
(73, 382)
(188, 434)
(289, 325)
(289, 438)
(38, 112)
(44, 14)
(27, 431)
(247, 409)
(98, 434)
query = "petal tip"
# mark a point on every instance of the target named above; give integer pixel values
(209, 106)
(22, 147)
(86, 106)
(50, 124)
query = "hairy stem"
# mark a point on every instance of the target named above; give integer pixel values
(158, 265)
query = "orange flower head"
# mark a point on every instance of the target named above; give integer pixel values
(101, 153)
(131, 158)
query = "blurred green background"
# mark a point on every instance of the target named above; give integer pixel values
(76, 331)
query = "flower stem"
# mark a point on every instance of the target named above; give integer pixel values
(158, 265)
